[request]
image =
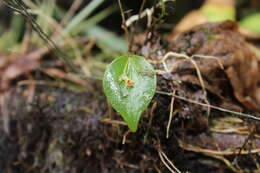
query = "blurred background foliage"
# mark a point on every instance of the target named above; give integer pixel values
(90, 31)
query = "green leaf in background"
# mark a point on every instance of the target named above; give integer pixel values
(129, 84)
(252, 22)
(107, 38)
(215, 13)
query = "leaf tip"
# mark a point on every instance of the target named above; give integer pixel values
(133, 128)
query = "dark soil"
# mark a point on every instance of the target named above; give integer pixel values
(62, 132)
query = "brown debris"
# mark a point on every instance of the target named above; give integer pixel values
(234, 87)
(14, 66)
(230, 72)
(61, 74)
(241, 66)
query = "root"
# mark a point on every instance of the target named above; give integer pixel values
(210, 106)
(125, 135)
(209, 57)
(170, 116)
(147, 12)
(166, 161)
(177, 55)
(220, 155)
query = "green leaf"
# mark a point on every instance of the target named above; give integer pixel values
(214, 13)
(129, 84)
(252, 22)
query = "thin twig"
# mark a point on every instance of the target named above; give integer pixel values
(210, 106)
(125, 135)
(124, 26)
(166, 161)
(170, 162)
(171, 115)
(147, 12)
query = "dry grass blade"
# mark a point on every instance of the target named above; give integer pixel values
(19, 7)
(197, 149)
(220, 155)
(62, 75)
